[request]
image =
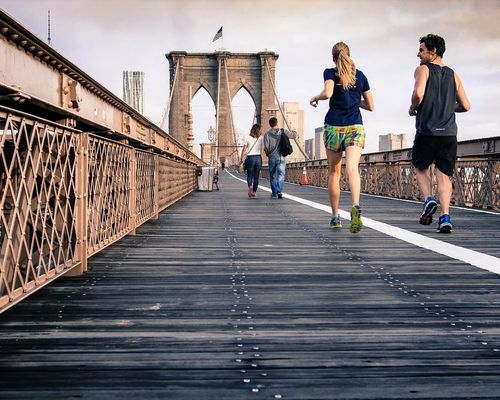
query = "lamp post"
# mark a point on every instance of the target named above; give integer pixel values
(211, 138)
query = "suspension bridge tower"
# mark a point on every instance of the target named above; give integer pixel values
(222, 74)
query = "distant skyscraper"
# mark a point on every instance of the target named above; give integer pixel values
(295, 117)
(133, 89)
(392, 141)
(319, 147)
(309, 148)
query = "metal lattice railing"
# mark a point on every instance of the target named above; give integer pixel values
(109, 188)
(476, 183)
(146, 198)
(37, 204)
(175, 181)
(65, 195)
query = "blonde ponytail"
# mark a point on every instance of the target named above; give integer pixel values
(346, 69)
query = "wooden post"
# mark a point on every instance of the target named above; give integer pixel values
(81, 207)
(133, 192)
(156, 191)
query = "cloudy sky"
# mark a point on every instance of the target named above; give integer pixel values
(105, 37)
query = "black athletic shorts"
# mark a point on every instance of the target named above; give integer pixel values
(438, 150)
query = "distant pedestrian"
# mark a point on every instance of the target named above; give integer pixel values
(276, 162)
(348, 90)
(437, 95)
(222, 165)
(215, 181)
(251, 155)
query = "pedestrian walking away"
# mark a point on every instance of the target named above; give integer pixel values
(437, 95)
(251, 156)
(347, 90)
(215, 181)
(276, 160)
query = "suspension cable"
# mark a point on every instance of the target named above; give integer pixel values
(231, 111)
(281, 110)
(219, 61)
(166, 113)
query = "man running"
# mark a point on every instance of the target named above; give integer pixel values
(437, 95)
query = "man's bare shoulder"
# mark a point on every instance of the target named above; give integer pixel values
(422, 69)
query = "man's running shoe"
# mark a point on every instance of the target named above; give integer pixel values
(356, 223)
(444, 224)
(280, 195)
(335, 222)
(430, 207)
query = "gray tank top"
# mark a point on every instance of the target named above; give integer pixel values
(436, 113)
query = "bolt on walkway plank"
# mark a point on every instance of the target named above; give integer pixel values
(226, 297)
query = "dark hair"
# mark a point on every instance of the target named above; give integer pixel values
(255, 132)
(434, 42)
(273, 121)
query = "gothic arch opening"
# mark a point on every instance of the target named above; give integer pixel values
(203, 115)
(244, 113)
(220, 73)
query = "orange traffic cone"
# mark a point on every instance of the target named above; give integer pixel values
(303, 178)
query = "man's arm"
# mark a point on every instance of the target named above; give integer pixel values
(290, 134)
(265, 144)
(421, 75)
(463, 104)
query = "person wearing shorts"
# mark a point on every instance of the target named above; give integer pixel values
(347, 90)
(437, 95)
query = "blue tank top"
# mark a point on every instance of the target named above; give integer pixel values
(436, 113)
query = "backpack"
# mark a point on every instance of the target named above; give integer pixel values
(285, 147)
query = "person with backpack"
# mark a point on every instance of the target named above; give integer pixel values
(348, 90)
(277, 146)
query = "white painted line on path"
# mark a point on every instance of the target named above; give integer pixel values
(406, 200)
(472, 257)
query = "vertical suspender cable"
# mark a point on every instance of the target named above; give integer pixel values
(231, 112)
(217, 112)
(281, 110)
(166, 113)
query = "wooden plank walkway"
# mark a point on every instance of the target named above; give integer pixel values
(229, 298)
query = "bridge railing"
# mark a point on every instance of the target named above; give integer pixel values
(65, 195)
(476, 181)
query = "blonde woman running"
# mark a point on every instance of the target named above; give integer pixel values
(348, 90)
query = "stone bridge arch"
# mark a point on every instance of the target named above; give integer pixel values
(222, 74)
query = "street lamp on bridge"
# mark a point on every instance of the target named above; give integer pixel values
(212, 138)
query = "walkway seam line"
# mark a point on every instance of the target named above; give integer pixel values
(472, 257)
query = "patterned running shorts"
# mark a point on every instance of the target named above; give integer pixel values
(337, 138)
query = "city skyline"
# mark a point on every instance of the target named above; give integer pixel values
(108, 37)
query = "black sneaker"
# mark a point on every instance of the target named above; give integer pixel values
(444, 224)
(280, 195)
(430, 207)
(335, 222)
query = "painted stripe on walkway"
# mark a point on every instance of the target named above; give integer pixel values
(475, 258)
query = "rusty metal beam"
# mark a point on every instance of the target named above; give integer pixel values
(32, 71)
(466, 148)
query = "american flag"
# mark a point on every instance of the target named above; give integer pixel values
(218, 34)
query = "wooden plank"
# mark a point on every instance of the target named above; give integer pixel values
(181, 309)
